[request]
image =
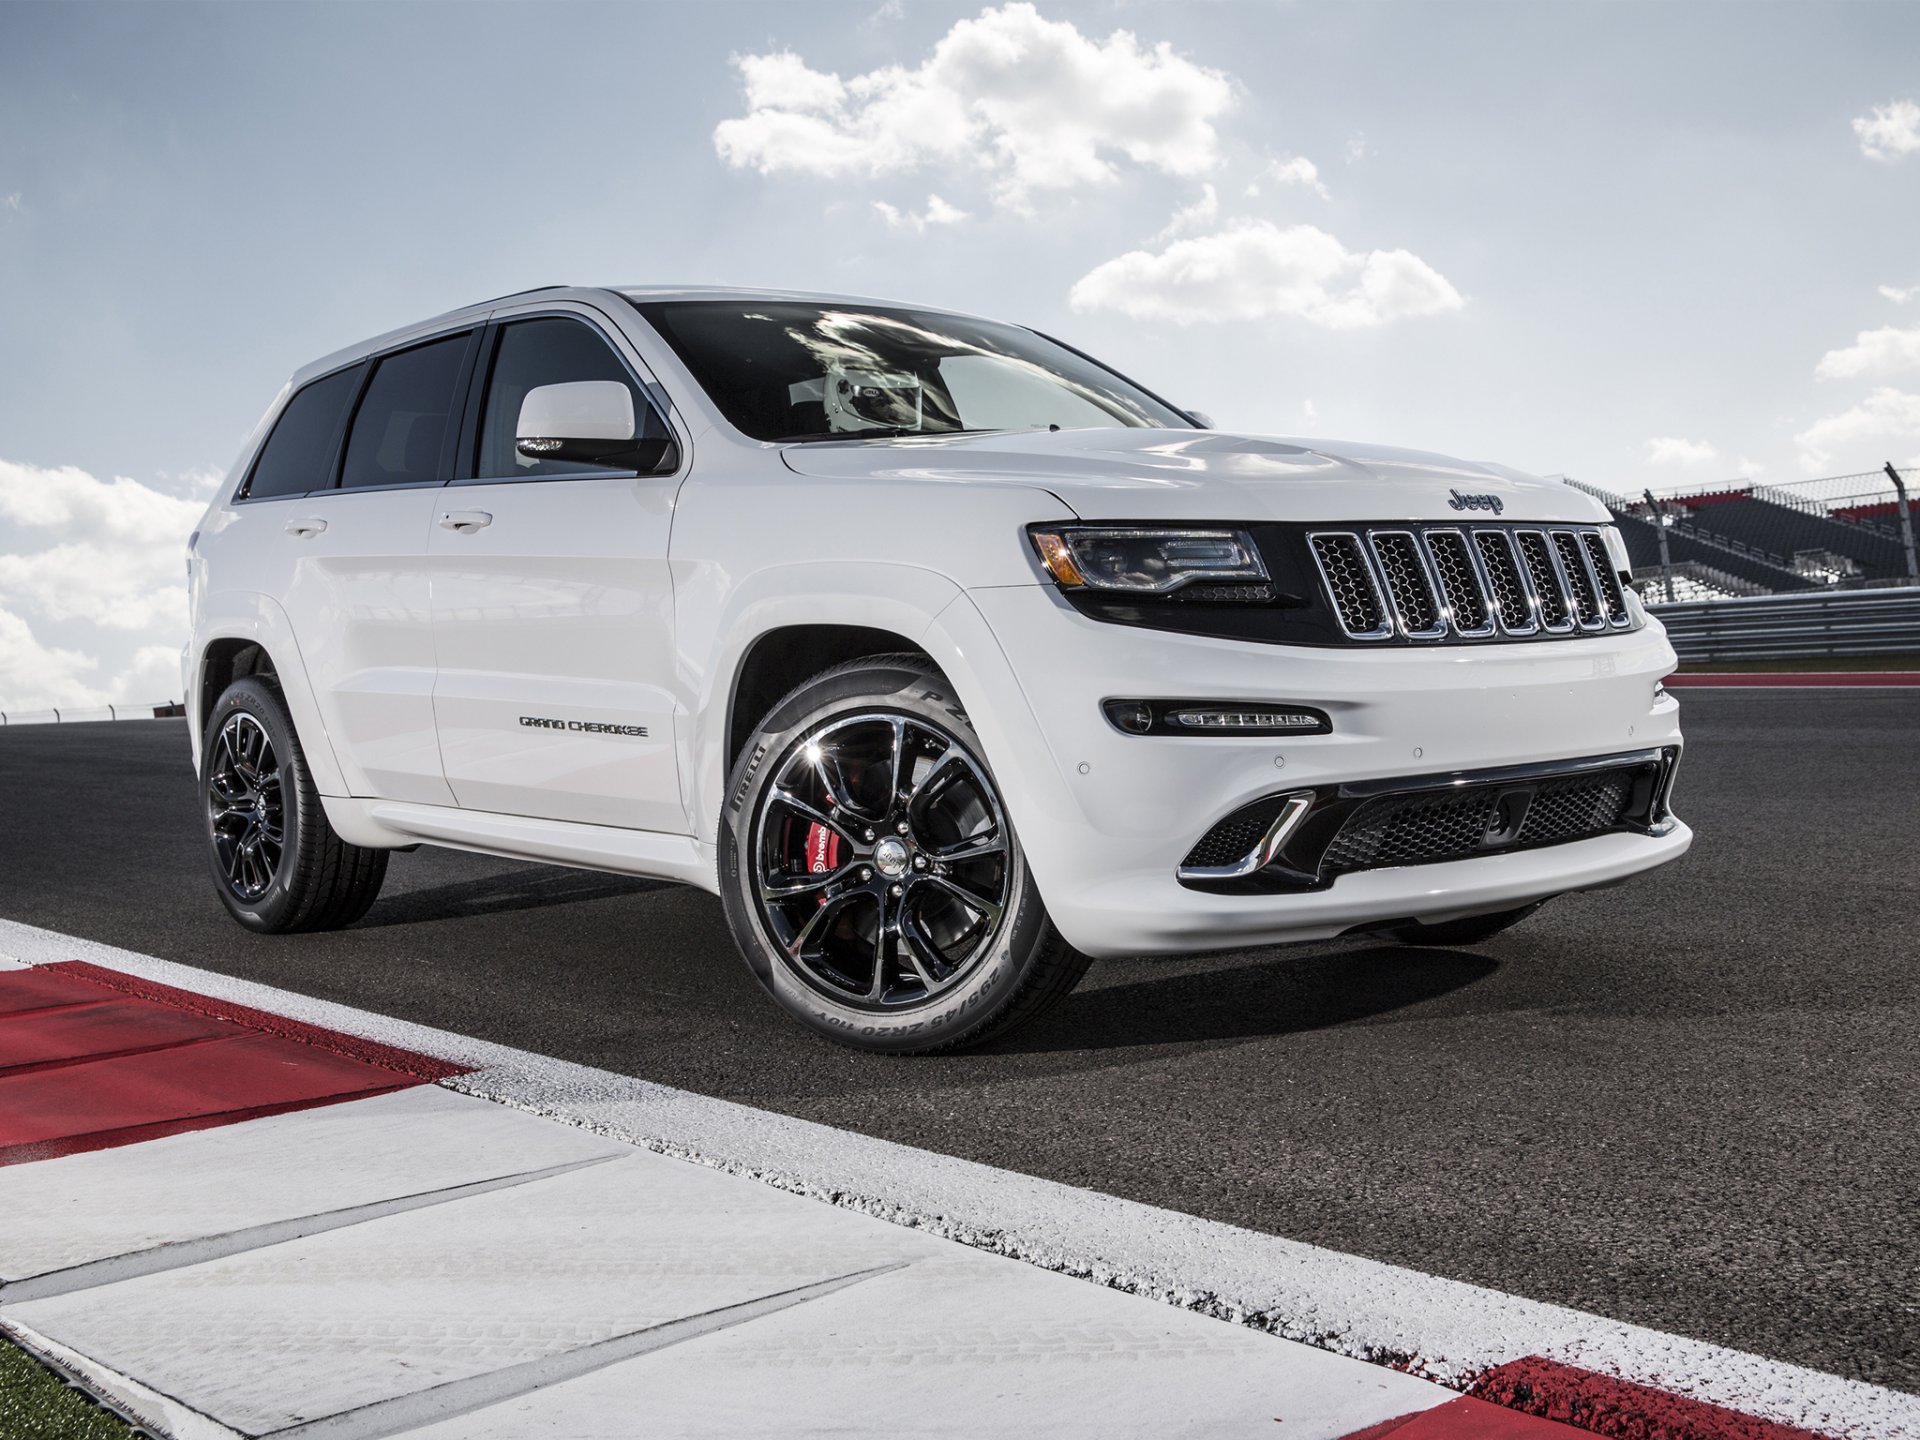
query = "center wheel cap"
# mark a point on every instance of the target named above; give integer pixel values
(890, 856)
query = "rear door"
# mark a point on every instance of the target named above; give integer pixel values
(552, 603)
(345, 520)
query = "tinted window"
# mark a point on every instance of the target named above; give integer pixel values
(552, 351)
(782, 370)
(298, 455)
(401, 426)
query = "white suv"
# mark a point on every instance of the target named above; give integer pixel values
(948, 657)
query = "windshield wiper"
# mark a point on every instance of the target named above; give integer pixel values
(885, 432)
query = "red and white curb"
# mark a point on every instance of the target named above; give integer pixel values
(407, 1259)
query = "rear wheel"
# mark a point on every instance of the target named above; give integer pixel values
(871, 875)
(277, 864)
(1470, 931)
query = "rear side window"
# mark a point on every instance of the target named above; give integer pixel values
(298, 455)
(401, 429)
(555, 351)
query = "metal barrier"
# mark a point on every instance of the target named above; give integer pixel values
(74, 714)
(1796, 627)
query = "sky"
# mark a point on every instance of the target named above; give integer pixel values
(1639, 244)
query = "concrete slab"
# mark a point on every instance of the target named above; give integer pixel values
(86, 1208)
(340, 1321)
(963, 1344)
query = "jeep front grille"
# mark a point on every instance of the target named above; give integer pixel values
(1447, 583)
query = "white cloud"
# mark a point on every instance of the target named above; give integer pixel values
(1295, 171)
(1030, 102)
(34, 676)
(11, 200)
(938, 212)
(1874, 352)
(1898, 295)
(1892, 131)
(1358, 149)
(100, 555)
(1671, 450)
(1203, 211)
(1255, 268)
(1886, 415)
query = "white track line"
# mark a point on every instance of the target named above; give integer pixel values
(1444, 1329)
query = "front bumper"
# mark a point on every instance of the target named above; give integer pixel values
(1106, 818)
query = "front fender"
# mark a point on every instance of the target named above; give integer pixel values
(251, 616)
(903, 599)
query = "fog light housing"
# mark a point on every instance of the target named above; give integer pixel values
(1215, 718)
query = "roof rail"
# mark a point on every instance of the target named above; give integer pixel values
(515, 295)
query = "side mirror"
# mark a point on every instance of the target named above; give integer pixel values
(1202, 419)
(587, 422)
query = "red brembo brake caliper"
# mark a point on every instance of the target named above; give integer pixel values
(823, 851)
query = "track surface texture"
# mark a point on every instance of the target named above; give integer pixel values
(1690, 1103)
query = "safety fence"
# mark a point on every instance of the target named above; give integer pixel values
(75, 714)
(1795, 627)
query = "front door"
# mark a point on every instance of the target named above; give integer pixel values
(553, 608)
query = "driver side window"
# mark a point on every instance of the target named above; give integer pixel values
(551, 350)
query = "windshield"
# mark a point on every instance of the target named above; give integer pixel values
(786, 371)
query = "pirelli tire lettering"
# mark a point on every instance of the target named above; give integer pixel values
(584, 727)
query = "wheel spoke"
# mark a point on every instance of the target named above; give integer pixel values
(884, 939)
(833, 779)
(919, 952)
(972, 848)
(949, 757)
(818, 920)
(978, 903)
(896, 769)
(813, 883)
(800, 807)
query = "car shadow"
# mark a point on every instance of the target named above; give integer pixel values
(1285, 993)
(530, 889)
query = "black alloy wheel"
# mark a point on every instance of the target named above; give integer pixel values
(245, 810)
(881, 860)
(871, 873)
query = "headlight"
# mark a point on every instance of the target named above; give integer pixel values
(1146, 561)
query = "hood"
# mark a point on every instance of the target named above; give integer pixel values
(1195, 475)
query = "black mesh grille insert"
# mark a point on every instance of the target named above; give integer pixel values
(1575, 564)
(1233, 839)
(1616, 603)
(1457, 824)
(1454, 565)
(1406, 580)
(1553, 600)
(1509, 595)
(1577, 806)
(1352, 588)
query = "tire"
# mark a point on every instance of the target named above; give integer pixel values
(277, 864)
(1469, 931)
(900, 941)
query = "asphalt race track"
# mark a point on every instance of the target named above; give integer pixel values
(1691, 1103)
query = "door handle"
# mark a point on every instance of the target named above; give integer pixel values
(310, 526)
(465, 521)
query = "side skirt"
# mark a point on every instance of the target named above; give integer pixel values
(389, 824)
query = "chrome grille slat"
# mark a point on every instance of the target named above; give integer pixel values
(1611, 595)
(1577, 570)
(1463, 586)
(1549, 588)
(1444, 582)
(1351, 584)
(1409, 584)
(1507, 582)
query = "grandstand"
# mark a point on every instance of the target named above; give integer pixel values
(1745, 539)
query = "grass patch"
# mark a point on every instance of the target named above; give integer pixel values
(35, 1404)
(1836, 664)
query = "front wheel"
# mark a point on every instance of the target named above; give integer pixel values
(871, 875)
